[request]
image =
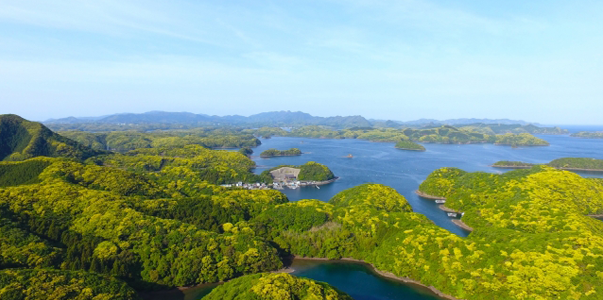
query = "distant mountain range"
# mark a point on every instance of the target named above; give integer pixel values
(275, 118)
(465, 121)
(280, 118)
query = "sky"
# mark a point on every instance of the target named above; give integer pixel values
(539, 61)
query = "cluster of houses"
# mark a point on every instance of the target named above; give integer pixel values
(248, 186)
(285, 177)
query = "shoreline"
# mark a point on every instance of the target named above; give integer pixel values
(427, 196)
(408, 149)
(462, 224)
(326, 181)
(384, 274)
(443, 207)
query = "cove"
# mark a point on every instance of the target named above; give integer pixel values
(357, 279)
(360, 281)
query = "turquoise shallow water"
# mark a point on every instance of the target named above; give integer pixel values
(359, 281)
(404, 171)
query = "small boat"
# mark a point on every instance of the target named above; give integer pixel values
(318, 187)
(349, 156)
(453, 215)
(440, 201)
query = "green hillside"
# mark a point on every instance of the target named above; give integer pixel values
(21, 139)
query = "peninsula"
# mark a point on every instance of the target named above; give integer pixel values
(588, 134)
(568, 163)
(308, 174)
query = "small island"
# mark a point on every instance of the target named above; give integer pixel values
(275, 153)
(505, 164)
(409, 145)
(568, 163)
(588, 134)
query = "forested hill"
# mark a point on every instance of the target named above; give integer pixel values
(440, 135)
(275, 287)
(21, 139)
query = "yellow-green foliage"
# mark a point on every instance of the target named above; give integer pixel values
(275, 287)
(532, 239)
(61, 285)
(191, 163)
(376, 196)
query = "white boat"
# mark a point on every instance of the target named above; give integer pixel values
(453, 215)
(440, 201)
(318, 187)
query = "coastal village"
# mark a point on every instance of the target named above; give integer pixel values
(285, 177)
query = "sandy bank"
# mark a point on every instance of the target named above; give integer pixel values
(427, 196)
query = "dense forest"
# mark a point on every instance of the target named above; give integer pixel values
(274, 153)
(567, 163)
(532, 239)
(131, 140)
(106, 226)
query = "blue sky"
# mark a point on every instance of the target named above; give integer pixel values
(540, 61)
